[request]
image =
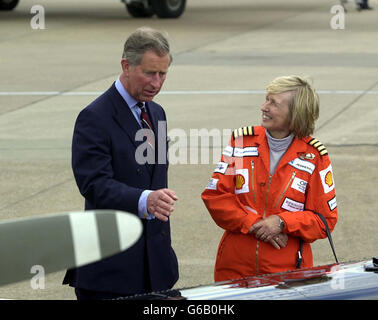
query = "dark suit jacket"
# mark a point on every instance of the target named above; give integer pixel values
(109, 177)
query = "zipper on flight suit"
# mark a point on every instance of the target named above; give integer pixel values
(287, 186)
(253, 181)
(265, 209)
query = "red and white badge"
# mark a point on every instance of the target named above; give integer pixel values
(326, 176)
(212, 185)
(299, 185)
(241, 181)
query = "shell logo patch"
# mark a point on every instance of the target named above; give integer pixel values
(241, 181)
(326, 177)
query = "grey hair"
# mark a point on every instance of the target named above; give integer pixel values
(142, 40)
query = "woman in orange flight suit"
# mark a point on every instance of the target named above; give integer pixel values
(272, 186)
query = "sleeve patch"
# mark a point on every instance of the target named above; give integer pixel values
(221, 167)
(241, 181)
(326, 176)
(213, 184)
(228, 151)
(332, 203)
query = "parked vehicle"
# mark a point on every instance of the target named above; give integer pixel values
(162, 8)
(8, 4)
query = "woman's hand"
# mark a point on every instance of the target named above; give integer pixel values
(279, 241)
(267, 228)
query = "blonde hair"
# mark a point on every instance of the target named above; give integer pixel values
(304, 106)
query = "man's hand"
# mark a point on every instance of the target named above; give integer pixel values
(160, 203)
(267, 228)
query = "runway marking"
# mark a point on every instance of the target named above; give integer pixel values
(178, 92)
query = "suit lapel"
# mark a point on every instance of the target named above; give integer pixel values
(125, 119)
(123, 115)
(154, 121)
(160, 169)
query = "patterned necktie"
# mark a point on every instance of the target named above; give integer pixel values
(146, 124)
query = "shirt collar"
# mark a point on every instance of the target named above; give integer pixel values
(131, 102)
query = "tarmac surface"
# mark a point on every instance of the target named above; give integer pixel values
(225, 53)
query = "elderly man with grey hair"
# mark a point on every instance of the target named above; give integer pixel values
(119, 160)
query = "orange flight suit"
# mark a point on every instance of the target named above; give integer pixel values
(242, 192)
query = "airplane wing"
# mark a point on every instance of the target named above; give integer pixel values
(61, 241)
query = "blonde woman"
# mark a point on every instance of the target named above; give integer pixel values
(273, 188)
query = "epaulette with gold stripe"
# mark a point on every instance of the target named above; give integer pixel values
(243, 131)
(319, 146)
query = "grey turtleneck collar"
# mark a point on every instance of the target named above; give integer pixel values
(277, 148)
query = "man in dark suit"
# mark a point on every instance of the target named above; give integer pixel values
(119, 161)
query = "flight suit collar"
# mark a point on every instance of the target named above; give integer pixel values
(296, 148)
